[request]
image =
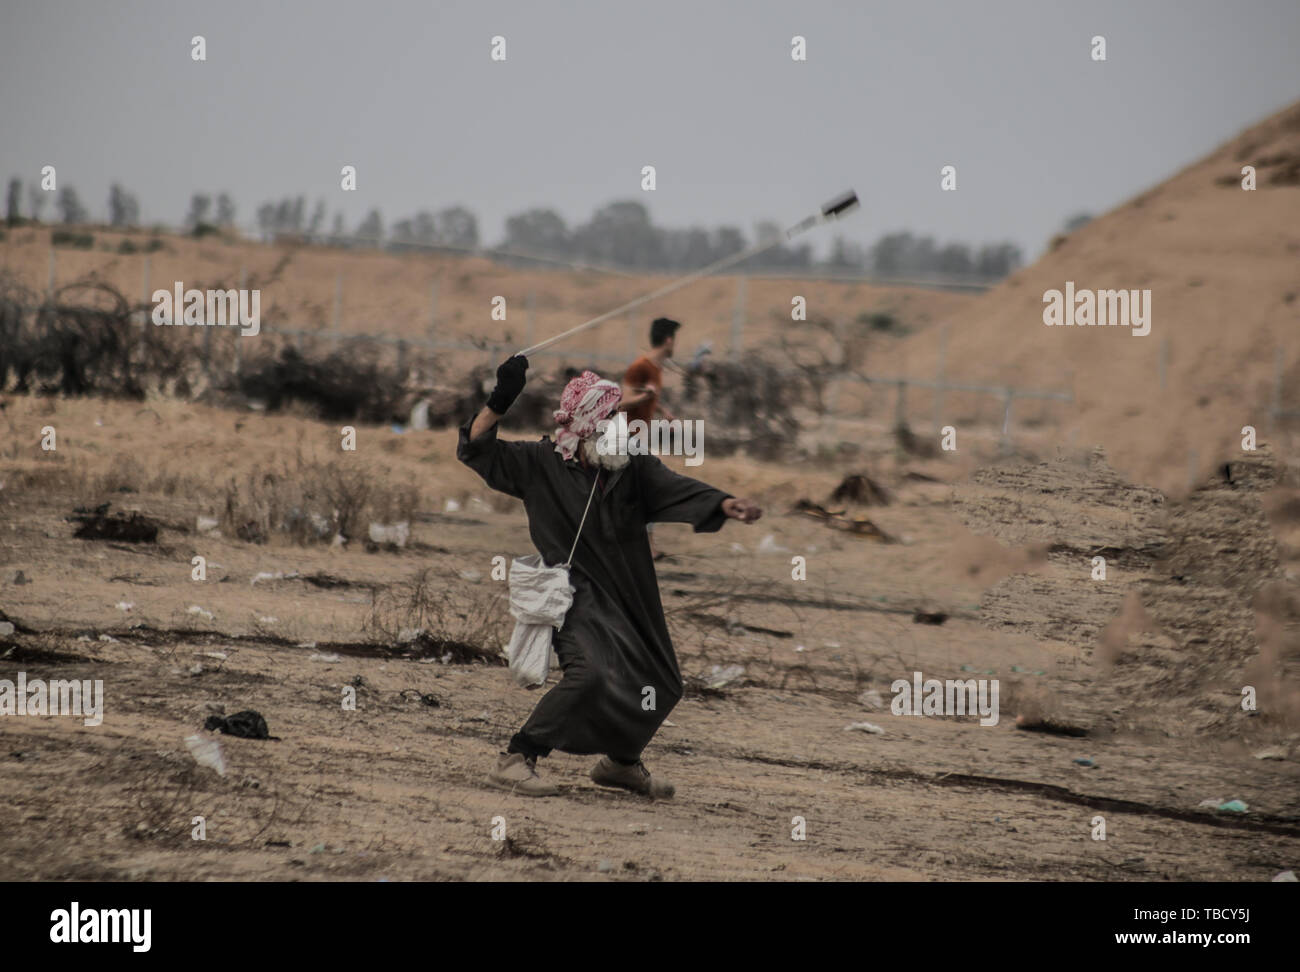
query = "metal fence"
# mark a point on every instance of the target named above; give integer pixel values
(433, 344)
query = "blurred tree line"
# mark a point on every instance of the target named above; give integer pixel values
(622, 234)
(619, 234)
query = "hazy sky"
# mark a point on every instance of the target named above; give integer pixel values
(591, 91)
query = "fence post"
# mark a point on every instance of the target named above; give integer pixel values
(832, 398)
(832, 404)
(144, 299)
(738, 321)
(338, 311)
(1008, 397)
(146, 294)
(938, 378)
(433, 311)
(532, 317)
(900, 405)
(243, 285)
(49, 277)
(207, 347)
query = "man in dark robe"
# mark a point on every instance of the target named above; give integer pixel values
(621, 678)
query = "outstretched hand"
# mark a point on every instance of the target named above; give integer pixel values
(746, 511)
(510, 382)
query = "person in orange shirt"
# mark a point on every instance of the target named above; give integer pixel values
(643, 384)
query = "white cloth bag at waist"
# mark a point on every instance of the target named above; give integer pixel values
(540, 596)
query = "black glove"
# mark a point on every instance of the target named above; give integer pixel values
(510, 382)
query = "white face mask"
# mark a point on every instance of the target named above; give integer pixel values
(602, 455)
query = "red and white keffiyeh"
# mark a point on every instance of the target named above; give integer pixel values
(585, 401)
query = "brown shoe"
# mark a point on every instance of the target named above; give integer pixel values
(518, 774)
(635, 778)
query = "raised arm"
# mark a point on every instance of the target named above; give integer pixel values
(505, 466)
(510, 382)
(484, 420)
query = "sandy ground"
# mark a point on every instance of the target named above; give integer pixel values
(394, 789)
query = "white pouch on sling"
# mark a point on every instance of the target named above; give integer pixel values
(540, 597)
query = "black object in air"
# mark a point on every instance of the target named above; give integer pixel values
(841, 204)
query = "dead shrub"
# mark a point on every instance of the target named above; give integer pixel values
(83, 339)
(470, 624)
(313, 501)
(348, 384)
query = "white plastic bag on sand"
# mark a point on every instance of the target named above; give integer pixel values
(540, 596)
(206, 752)
(866, 727)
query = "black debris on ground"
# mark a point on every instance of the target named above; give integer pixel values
(929, 617)
(1048, 726)
(99, 524)
(248, 724)
(860, 489)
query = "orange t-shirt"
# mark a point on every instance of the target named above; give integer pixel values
(643, 372)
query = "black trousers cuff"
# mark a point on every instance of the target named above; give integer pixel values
(521, 743)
